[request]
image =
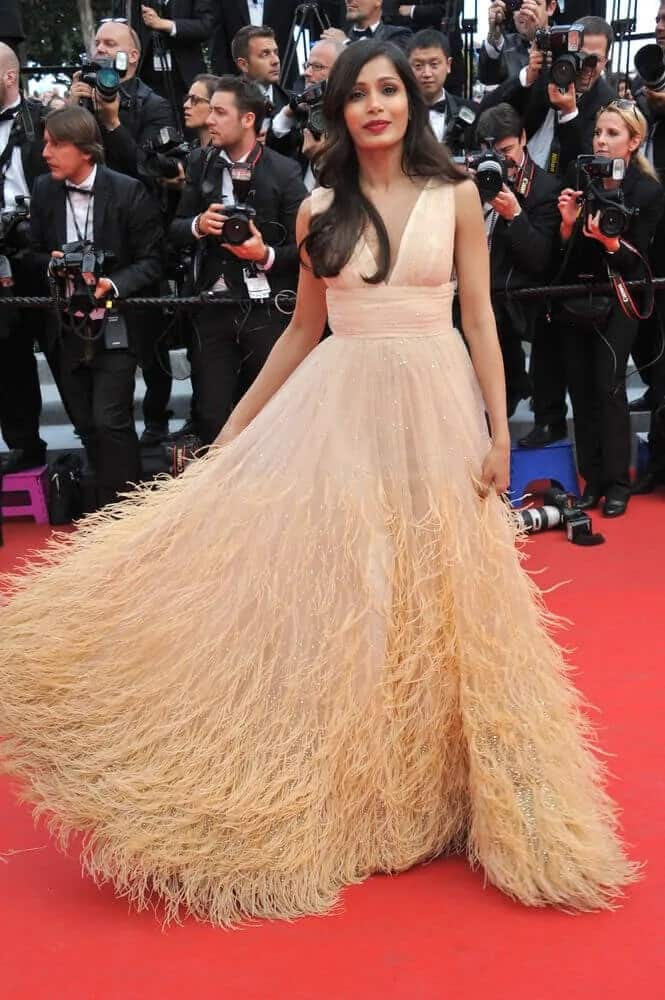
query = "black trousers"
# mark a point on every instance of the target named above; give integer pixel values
(596, 361)
(548, 372)
(20, 395)
(649, 344)
(227, 355)
(518, 383)
(99, 395)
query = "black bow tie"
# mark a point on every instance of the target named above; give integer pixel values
(87, 191)
(440, 106)
(363, 33)
(8, 114)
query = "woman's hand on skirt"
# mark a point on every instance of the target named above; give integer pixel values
(496, 470)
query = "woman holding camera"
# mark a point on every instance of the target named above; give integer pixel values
(598, 334)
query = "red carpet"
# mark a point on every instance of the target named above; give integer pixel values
(434, 932)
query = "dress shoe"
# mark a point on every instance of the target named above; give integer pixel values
(589, 499)
(543, 434)
(188, 430)
(154, 434)
(642, 404)
(616, 502)
(645, 484)
(21, 459)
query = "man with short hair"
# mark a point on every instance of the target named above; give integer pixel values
(233, 343)
(285, 136)
(84, 202)
(365, 20)
(232, 15)
(521, 222)
(431, 61)
(503, 54)
(136, 114)
(256, 56)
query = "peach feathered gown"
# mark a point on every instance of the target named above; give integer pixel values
(315, 655)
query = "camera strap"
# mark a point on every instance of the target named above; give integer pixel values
(242, 175)
(525, 176)
(623, 295)
(13, 141)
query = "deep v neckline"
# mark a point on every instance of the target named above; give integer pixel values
(398, 256)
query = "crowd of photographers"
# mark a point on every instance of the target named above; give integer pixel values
(157, 178)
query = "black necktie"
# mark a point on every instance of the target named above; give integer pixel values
(439, 106)
(8, 114)
(86, 191)
(362, 33)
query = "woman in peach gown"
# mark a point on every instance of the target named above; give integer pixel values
(315, 655)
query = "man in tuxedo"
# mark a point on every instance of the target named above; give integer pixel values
(256, 56)
(365, 20)
(137, 113)
(559, 127)
(431, 61)
(232, 15)
(171, 34)
(82, 201)
(521, 223)
(21, 162)
(504, 53)
(232, 343)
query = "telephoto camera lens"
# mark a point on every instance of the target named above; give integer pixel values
(489, 178)
(650, 64)
(107, 83)
(236, 229)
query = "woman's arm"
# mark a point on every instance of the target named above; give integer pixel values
(479, 325)
(300, 337)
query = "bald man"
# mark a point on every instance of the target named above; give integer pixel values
(21, 131)
(136, 114)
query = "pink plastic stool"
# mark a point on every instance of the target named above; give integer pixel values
(33, 482)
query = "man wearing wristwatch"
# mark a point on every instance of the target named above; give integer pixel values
(233, 342)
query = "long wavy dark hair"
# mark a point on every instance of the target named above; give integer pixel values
(334, 233)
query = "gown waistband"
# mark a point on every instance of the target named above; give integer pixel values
(390, 311)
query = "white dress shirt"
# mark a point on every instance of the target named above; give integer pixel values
(255, 8)
(437, 119)
(15, 182)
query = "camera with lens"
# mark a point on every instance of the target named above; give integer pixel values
(457, 131)
(512, 6)
(67, 272)
(560, 510)
(307, 107)
(614, 216)
(103, 74)
(161, 156)
(14, 237)
(650, 64)
(566, 43)
(490, 172)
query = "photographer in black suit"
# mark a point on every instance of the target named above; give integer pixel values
(21, 162)
(231, 344)
(504, 52)
(171, 34)
(522, 222)
(83, 202)
(365, 20)
(136, 114)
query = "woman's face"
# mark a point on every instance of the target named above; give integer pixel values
(377, 108)
(613, 138)
(196, 106)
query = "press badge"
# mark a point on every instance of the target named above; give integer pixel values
(162, 62)
(256, 284)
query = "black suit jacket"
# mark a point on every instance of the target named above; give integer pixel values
(387, 33)
(514, 55)
(232, 15)
(425, 15)
(194, 21)
(146, 114)
(126, 223)
(32, 148)
(279, 190)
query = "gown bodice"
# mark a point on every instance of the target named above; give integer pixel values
(416, 299)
